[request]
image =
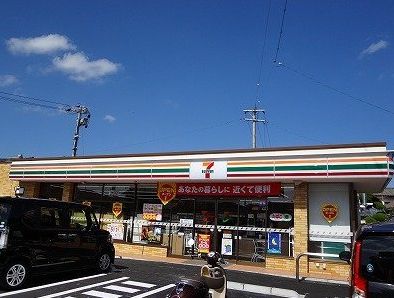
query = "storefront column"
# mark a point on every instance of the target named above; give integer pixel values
(7, 187)
(32, 189)
(301, 224)
(68, 192)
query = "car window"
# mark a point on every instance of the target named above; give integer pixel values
(377, 259)
(51, 217)
(80, 219)
(5, 210)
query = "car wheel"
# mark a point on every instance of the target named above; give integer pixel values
(14, 275)
(104, 262)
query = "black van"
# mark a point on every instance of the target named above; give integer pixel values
(372, 261)
(40, 236)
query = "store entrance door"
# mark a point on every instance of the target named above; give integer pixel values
(216, 226)
(231, 227)
(205, 225)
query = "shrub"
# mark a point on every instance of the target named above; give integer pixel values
(370, 220)
(379, 217)
(379, 205)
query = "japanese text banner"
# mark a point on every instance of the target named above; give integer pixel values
(229, 189)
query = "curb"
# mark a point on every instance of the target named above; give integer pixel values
(262, 290)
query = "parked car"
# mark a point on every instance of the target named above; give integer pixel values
(40, 236)
(372, 261)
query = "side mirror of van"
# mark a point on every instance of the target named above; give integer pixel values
(345, 256)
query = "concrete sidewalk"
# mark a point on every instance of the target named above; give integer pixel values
(259, 269)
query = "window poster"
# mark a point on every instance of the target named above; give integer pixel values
(204, 243)
(116, 230)
(152, 212)
(227, 246)
(274, 243)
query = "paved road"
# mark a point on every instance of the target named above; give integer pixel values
(133, 278)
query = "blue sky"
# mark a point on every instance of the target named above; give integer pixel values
(163, 76)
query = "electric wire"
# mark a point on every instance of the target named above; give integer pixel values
(329, 87)
(222, 124)
(35, 98)
(259, 81)
(297, 134)
(281, 32)
(268, 134)
(20, 101)
(262, 138)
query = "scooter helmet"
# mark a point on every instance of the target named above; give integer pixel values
(213, 258)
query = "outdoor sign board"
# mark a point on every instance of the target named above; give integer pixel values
(229, 189)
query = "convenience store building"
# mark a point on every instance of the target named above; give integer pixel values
(259, 206)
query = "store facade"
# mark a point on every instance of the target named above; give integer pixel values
(262, 206)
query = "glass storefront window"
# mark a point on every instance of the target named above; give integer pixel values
(51, 191)
(189, 226)
(204, 225)
(252, 219)
(102, 198)
(227, 222)
(180, 239)
(151, 218)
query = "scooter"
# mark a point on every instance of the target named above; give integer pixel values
(213, 283)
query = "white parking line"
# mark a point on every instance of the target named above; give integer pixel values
(138, 284)
(50, 285)
(122, 289)
(158, 290)
(84, 288)
(101, 294)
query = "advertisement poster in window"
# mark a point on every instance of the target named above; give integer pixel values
(227, 246)
(116, 230)
(204, 243)
(117, 209)
(151, 234)
(274, 243)
(152, 212)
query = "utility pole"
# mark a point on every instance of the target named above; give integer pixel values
(254, 113)
(83, 116)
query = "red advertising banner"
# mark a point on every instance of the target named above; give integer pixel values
(229, 189)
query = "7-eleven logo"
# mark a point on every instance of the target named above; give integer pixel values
(208, 169)
(211, 170)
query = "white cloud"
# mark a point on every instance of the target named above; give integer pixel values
(44, 44)
(109, 118)
(7, 80)
(78, 67)
(374, 47)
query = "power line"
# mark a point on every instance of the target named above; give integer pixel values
(327, 86)
(82, 112)
(14, 100)
(297, 134)
(226, 123)
(35, 98)
(268, 135)
(281, 31)
(259, 81)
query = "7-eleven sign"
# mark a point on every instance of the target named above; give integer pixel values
(208, 170)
